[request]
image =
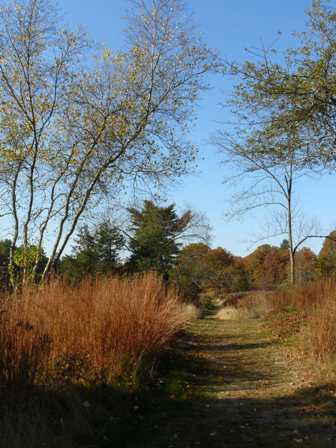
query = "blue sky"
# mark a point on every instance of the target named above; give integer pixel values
(229, 26)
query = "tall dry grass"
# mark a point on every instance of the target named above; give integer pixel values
(307, 312)
(317, 304)
(99, 331)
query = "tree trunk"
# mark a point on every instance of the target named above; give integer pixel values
(292, 267)
(291, 249)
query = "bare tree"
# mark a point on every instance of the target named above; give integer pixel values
(269, 169)
(77, 126)
(283, 107)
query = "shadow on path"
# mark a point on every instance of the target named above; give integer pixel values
(225, 385)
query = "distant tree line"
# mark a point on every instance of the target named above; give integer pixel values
(158, 239)
(201, 269)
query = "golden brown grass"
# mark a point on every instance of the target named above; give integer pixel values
(98, 332)
(318, 335)
(312, 311)
(308, 313)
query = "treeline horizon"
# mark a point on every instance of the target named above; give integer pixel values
(175, 247)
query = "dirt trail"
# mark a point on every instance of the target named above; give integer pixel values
(230, 387)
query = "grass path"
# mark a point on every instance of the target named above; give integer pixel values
(228, 386)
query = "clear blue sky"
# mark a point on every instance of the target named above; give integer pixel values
(229, 26)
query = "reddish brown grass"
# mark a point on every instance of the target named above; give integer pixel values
(307, 312)
(98, 331)
(319, 329)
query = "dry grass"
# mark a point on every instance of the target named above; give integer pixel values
(97, 332)
(311, 313)
(191, 311)
(307, 313)
(318, 334)
(247, 305)
(228, 313)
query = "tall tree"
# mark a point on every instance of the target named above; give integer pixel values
(156, 237)
(284, 105)
(272, 166)
(74, 129)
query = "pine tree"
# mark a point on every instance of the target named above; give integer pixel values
(155, 237)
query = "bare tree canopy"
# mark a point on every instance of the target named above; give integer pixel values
(284, 124)
(271, 170)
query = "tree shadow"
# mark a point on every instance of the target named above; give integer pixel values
(207, 402)
(289, 421)
(200, 398)
(70, 417)
(106, 418)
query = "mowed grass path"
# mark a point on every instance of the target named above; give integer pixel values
(227, 385)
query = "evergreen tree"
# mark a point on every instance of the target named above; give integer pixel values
(96, 251)
(4, 252)
(155, 237)
(4, 260)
